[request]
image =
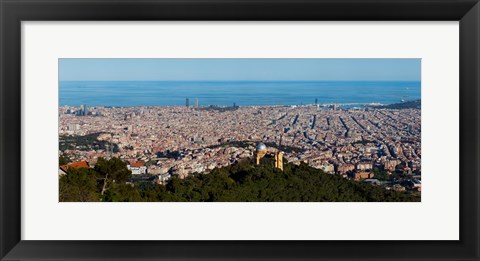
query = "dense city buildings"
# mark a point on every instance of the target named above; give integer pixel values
(181, 140)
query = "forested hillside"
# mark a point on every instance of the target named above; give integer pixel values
(242, 181)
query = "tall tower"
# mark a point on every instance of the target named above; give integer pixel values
(111, 145)
(316, 101)
(279, 160)
(196, 102)
(187, 102)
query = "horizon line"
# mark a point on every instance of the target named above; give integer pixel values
(265, 105)
(240, 80)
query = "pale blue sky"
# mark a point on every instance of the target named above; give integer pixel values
(239, 69)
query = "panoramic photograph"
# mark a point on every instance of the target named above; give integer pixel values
(239, 130)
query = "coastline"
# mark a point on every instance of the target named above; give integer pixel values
(343, 105)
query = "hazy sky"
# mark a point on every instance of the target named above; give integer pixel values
(239, 69)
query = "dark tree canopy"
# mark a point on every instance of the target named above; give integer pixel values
(62, 160)
(79, 185)
(115, 168)
(240, 182)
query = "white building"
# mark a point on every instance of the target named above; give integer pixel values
(163, 178)
(137, 168)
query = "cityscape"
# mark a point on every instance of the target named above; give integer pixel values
(368, 146)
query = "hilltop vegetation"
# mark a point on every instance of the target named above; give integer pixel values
(85, 143)
(241, 182)
(417, 104)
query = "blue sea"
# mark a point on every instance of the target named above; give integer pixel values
(242, 93)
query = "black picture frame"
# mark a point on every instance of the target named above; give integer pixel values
(13, 12)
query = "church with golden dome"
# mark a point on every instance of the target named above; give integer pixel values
(262, 150)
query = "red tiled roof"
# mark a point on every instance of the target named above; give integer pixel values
(137, 164)
(76, 165)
